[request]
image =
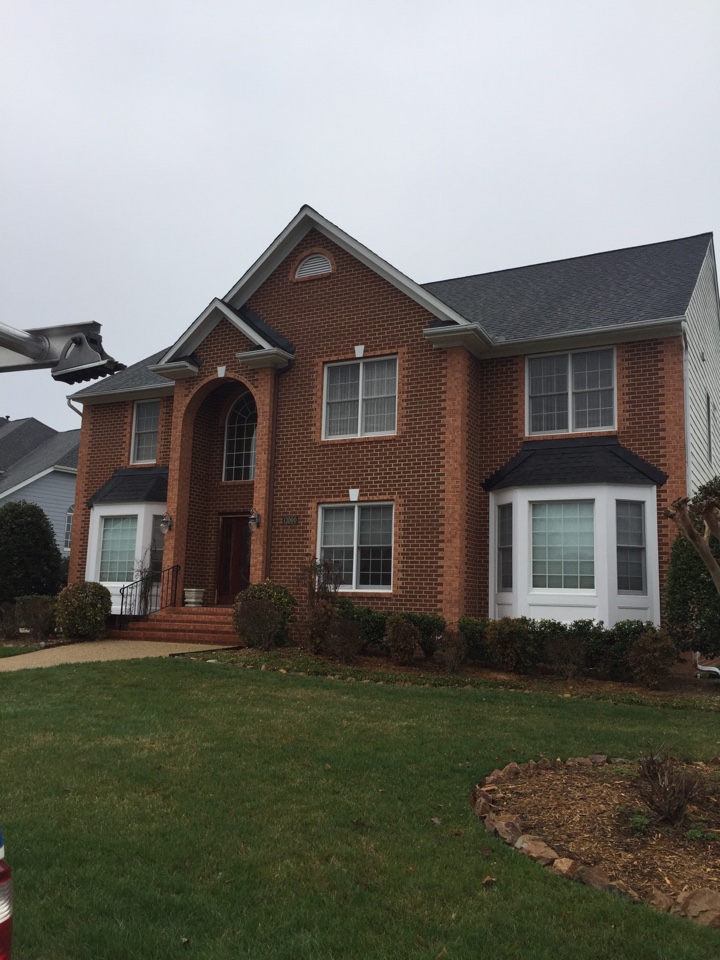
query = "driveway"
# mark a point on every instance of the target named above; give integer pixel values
(97, 650)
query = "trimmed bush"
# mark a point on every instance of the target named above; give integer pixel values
(82, 609)
(452, 650)
(402, 639)
(321, 614)
(343, 640)
(474, 629)
(372, 623)
(563, 648)
(30, 562)
(430, 627)
(37, 614)
(651, 656)
(264, 623)
(513, 644)
(608, 650)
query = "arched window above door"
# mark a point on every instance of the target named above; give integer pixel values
(240, 432)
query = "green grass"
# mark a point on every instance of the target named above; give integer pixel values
(15, 651)
(266, 815)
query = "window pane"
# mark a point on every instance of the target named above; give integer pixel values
(548, 391)
(240, 439)
(563, 545)
(379, 392)
(337, 541)
(593, 391)
(117, 551)
(342, 400)
(504, 552)
(147, 414)
(375, 546)
(68, 527)
(630, 527)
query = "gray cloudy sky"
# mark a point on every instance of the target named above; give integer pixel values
(152, 150)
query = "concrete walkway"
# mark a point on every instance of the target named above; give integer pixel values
(97, 650)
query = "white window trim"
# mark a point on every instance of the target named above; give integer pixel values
(254, 447)
(134, 433)
(607, 602)
(366, 503)
(143, 539)
(355, 362)
(571, 413)
(69, 515)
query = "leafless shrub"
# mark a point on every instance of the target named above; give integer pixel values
(668, 786)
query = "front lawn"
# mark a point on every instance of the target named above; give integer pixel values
(156, 809)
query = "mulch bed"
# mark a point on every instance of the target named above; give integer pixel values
(586, 813)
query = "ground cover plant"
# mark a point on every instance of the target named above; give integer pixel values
(165, 808)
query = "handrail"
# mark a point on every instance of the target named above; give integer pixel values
(148, 594)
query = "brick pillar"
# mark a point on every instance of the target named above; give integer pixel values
(264, 393)
(454, 498)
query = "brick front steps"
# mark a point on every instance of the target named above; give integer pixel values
(182, 625)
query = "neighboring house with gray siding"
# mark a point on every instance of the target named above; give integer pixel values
(39, 464)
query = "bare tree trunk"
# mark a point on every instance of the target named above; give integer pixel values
(683, 516)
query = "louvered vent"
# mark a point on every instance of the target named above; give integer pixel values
(313, 265)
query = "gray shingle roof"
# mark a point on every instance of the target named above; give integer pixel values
(651, 282)
(566, 460)
(133, 485)
(60, 450)
(18, 438)
(136, 377)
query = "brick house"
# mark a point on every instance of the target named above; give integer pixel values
(501, 443)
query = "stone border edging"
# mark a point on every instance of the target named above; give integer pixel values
(701, 905)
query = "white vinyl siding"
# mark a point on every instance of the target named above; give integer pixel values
(571, 392)
(52, 493)
(360, 398)
(702, 378)
(357, 541)
(145, 431)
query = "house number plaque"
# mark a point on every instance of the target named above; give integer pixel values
(290, 520)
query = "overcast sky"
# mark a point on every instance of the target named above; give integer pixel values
(152, 150)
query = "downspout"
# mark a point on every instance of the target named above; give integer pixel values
(76, 410)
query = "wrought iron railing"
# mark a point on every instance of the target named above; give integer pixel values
(148, 594)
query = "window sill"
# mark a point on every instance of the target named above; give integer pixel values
(366, 437)
(561, 434)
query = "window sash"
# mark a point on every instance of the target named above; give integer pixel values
(571, 392)
(145, 431)
(504, 547)
(563, 545)
(69, 516)
(117, 549)
(630, 546)
(361, 398)
(241, 440)
(357, 541)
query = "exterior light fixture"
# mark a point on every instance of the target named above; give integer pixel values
(166, 523)
(253, 520)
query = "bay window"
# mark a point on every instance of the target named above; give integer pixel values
(117, 549)
(630, 539)
(563, 545)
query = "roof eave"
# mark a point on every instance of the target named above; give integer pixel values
(272, 357)
(595, 336)
(470, 335)
(176, 370)
(202, 326)
(130, 393)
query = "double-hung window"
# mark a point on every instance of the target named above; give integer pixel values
(563, 545)
(571, 392)
(145, 431)
(67, 542)
(504, 547)
(360, 398)
(356, 540)
(630, 539)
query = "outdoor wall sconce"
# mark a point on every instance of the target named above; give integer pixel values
(253, 520)
(166, 523)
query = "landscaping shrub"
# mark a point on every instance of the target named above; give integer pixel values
(430, 627)
(691, 603)
(9, 626)
(668, 786)
(343, 640)
(372, 623)
(321, 614)
(258, 623)
(452, 650)
(37, 614)
(82, 609)
(651, 656)
(474, 629)
(608, 650)
(562, 648)
(513, 644)
(29, 557)
(402, 639)
(262, 623)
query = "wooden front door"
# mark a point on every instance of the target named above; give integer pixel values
(234, 558)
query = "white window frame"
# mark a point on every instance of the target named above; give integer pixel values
(605, 602)
(354, 588)
(361, 364)
(69, 519)
(633, 546)
(569, 354)
(133, 444)
(253, 450)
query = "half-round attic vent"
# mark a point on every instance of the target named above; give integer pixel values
(313, 266)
